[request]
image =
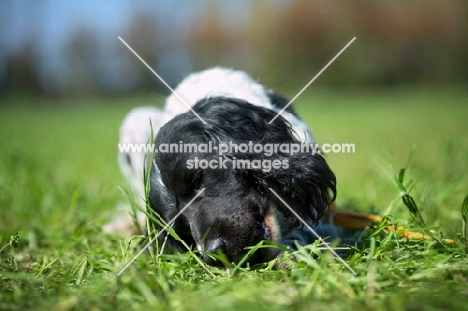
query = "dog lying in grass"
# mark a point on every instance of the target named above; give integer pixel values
(225, 195)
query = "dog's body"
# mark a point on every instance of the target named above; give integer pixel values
(237, 209)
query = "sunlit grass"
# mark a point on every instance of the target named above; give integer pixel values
(59, 183)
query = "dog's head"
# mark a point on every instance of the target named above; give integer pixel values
(236, 209)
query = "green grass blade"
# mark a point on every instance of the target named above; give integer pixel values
(464, 211)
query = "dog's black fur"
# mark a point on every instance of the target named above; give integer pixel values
(236, 209)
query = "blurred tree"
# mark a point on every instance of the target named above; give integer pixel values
(143, 38)
(284, 43)
(80, 68)
(397, 42)
(21, 70)
(209, 41)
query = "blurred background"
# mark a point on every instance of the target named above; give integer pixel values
(70, 48)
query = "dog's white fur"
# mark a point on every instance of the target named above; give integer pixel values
(228, 83)
(136, 127)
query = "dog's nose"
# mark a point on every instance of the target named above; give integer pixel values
(214, 247)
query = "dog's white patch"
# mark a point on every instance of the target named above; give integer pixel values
(136, 129)
(216, 82)
(228, 83)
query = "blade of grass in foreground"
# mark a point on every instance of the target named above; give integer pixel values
(407, 199)
(464, 213)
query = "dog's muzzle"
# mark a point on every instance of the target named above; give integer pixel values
(221, 247)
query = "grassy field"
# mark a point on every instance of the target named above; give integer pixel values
(59, 183)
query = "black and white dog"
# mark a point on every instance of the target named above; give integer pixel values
(236, 209)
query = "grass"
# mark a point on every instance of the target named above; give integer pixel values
(59, 182)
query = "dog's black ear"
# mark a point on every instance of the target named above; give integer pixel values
(305, 182)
